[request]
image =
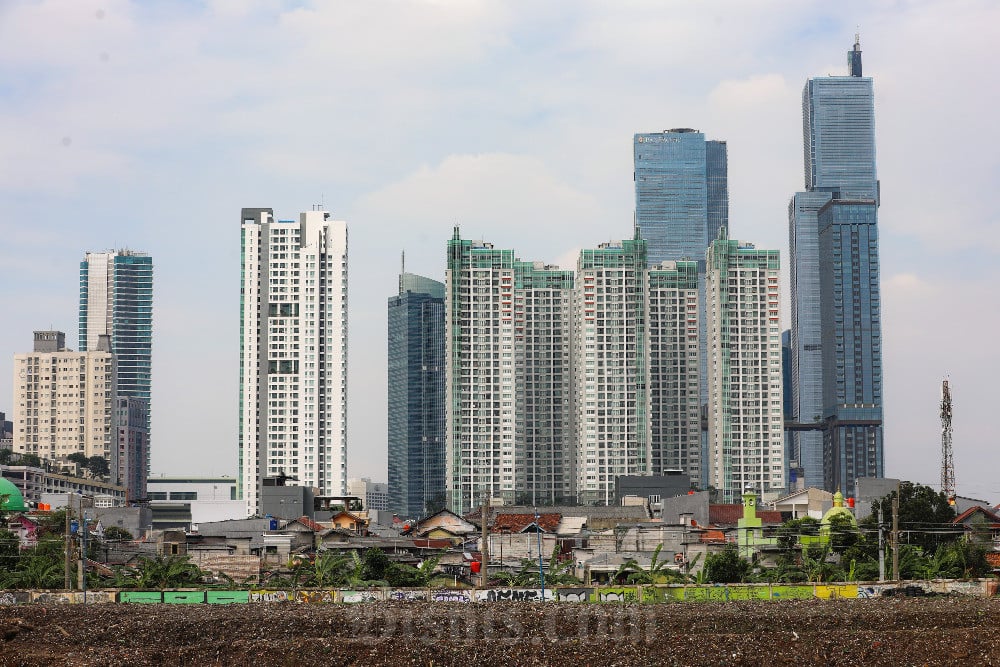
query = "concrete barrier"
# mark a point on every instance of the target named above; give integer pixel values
(593, 594)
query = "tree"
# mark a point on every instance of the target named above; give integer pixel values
(375, 565)
(923, 514)
(78, 458)
(726, 567)
(9, 550)
(30, 460)
(789, 533)
(116, 534)
(843, 534)
(165, 572)
(658, 572)
(98, 466)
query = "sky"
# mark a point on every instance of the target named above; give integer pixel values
(150, 125)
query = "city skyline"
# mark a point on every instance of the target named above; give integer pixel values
(408, 145)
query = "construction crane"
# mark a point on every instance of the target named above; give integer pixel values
(947, 455)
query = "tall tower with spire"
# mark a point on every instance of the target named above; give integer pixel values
(836, 344)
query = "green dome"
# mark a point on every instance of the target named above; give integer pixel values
(12, 499)
(838, 509)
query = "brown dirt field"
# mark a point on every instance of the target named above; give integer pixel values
(906, 631)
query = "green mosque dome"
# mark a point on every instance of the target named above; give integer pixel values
(837, 509)
(11, 499)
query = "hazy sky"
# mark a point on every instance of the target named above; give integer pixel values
(149, 125)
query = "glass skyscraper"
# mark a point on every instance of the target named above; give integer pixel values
(681, 193)
(116, 300)
(852, 341)
(416, 399)
(836, 320)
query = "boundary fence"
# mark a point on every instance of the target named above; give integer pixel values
(589, 594)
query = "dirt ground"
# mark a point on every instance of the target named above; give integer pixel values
(907, 631)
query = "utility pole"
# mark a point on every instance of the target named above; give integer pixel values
(881, 544)
(68, 582)
(895, 536)
(484, 573)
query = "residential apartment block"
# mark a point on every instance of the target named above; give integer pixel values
(672, 326)
(293, 352)
(611, 369)
(560, 381)
(745, 421)
(64, 400)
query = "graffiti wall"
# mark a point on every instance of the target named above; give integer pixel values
(596, 594)
(514, 595)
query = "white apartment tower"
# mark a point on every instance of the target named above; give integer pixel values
(745, 421)
(293, 353)
(611, 369)
(508, 378)
(64, 400)
(674, 376)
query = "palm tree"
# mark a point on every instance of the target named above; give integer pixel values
(658, 572)
(169, 572)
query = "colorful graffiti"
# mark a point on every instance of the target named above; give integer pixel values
(599, 594)
(514, 595)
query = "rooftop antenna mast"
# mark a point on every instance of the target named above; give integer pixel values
(947, 454)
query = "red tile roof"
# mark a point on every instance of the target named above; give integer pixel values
(516, 523)
(967, 514)
(993, 558)
(725, 515)
(310, 524)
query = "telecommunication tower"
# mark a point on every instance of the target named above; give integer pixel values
(947, 455)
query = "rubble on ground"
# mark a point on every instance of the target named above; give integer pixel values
(897, 631)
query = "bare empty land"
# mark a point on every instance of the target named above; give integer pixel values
(895, 631)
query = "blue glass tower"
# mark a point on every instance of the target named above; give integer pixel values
(852, 341)
(116, 299)
(681, 193)
(836, 320)
(416, 406)
(681, 204)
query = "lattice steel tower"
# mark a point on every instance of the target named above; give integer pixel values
(947, 455)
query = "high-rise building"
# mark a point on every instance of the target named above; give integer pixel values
(416, 399)
(611, 370)
(745, 421)
(116, 300)
(543, 299)
(130, 454)
(508, 386)
(681, 193)
(681, 205)
(852, 342)
(674, 394)
(841, 184)
(558, 383)
(293, 353)
(64, 400)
